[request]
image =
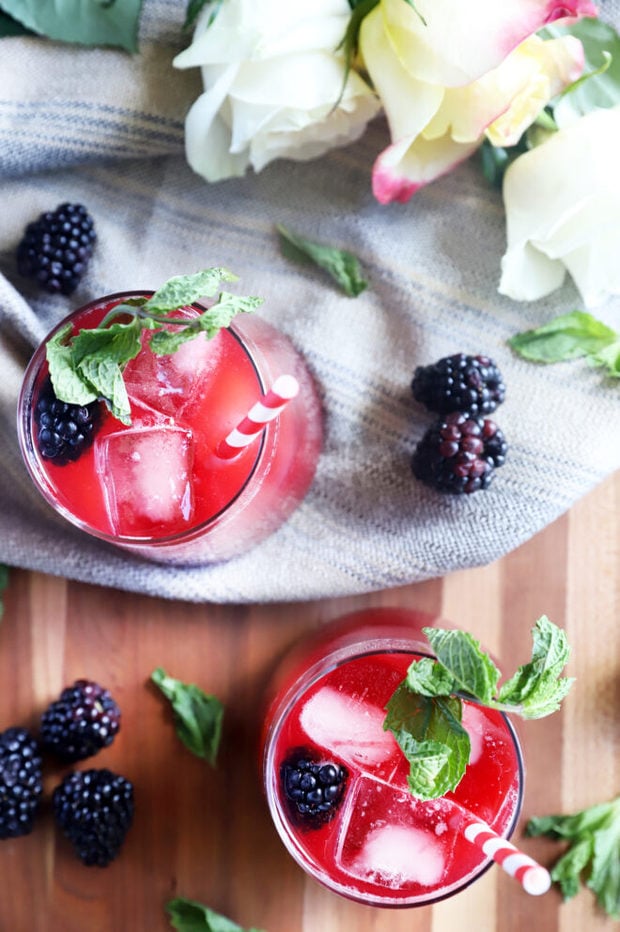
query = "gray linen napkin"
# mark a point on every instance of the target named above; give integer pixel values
(106, 129)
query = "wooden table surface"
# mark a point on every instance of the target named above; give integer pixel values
(205, 833)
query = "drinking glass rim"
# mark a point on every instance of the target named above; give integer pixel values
(331, 661)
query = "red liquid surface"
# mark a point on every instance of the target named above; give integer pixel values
(160, 477)
(383, 846)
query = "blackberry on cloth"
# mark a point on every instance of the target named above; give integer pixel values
(81, 722)
(56, 248)
(64, 431)
(20, 782)
(95, 810)
(459, 454)
(313, 788)
(471, 384)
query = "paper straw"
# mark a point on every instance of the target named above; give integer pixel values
(533, 877)
(284, 389)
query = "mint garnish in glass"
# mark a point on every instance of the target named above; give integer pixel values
(424, 713)
(88, 366)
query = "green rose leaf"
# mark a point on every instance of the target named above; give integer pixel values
(198, 716)
(600, 84)
(343, 266)
(96, 22)
(11, 27)
(191, 916)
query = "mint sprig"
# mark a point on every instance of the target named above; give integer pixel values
(89, 365)
(424, 713)
(593, 854)
(191, 916)
(198, 716)
(571, 336)
(342, 265)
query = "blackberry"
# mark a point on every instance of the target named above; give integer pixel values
(81, 722)
(95, 810)
(459, 454)
(313, 788)
(63, 431)
(472, 384)
(20, 782)
(55, 248)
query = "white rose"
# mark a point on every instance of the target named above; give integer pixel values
(562, 204)
(272, 77)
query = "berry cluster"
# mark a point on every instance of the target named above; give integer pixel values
(56, 248)
(94, 808)
(313, 788)
(460, 451)
(63, 431)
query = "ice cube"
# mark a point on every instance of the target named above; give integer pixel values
(169, 383)
(146, 475)
(398, 855)
(475, 724)
(351, 729)
(390, 838)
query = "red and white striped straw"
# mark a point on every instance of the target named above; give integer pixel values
(533, 877)
(284, 389)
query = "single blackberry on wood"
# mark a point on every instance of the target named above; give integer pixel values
(81, 722)
(95, 810)
(471, 384)
(459, 454)
(55, 248)
(63, 431)
(312, 788)
(20, 782)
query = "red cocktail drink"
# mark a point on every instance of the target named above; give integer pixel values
(358, 829)
(157, 487)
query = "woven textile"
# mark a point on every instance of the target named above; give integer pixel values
(106, 129)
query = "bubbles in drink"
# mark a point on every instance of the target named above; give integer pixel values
(349, 728)
(146, 474)
(392, 839)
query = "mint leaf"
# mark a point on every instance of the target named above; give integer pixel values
(536, 689)
(609, 357)
(4, 582)
(600, 85)
(198, 716)
(210, 322)
(97, 22)
(593, 854)
(430, 735)
(568, 336)
(69, 385)
(343, 266)
(430, 678)
(191, 916)
(473, 671)
(185, 289)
